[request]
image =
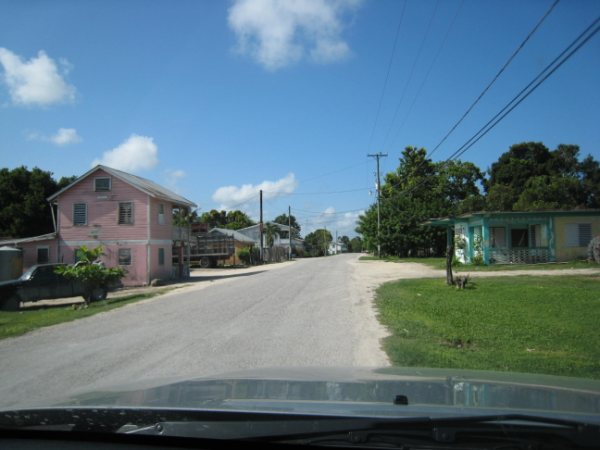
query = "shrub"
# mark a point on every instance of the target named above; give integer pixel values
(245, 255)
(594, 250)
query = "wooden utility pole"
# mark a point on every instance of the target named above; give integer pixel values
(377, 156)
(261, 228)
(290, 233)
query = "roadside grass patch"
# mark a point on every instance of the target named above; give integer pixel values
(15, 323)
(440, 263)
(523, 324)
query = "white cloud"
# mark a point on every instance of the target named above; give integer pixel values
(343, 223)
(173, 177)
(64, 136)
(230, 196)
(38, 81)
(278, 33)
(134, 154)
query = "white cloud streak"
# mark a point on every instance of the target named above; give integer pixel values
(134, 154)
(233, 196)
(278, 33)
(63, 137)
(39, 81)
(344, 223)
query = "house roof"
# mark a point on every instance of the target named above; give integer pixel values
(281, 226)
(237, 236)
(149, 187)
(441, 221)
(43, 237)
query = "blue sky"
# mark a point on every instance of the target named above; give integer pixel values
(219, 99)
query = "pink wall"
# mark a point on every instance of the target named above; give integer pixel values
(30, 251)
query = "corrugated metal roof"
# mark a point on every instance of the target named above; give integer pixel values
(149, 187)
(237, 236)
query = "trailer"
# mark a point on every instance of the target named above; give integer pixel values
(207, 249)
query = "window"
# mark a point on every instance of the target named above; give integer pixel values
(102, 184)
(578, 234)
(497, 237)
(79, 214)
(161, 214)
(125, 213)
(538, 235)
(519, 238)
(124, 256)
(161, 256)
(43, 255)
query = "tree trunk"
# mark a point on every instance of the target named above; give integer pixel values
(449, 255)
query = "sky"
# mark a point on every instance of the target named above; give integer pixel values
(217, 100)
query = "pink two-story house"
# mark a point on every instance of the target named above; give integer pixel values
(129, 216)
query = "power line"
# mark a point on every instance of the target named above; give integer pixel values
(532, 86)
(412, 70)
(426, 77)
(387, 75)
(502, 69)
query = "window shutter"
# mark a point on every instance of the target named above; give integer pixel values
(80, 214)
(585, 234)
(125, 213)
(102, 184)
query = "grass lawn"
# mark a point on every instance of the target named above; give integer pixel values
(440, 263)
(15, 323)
(523, 324)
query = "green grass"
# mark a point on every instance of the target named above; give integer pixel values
(440, 263)
(15, 323)
(522, 324)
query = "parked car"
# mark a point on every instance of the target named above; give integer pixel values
(40, 282)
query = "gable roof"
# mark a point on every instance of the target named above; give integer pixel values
(149, 187)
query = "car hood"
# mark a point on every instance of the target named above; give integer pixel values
(361, 392)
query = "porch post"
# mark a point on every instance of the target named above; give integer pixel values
(485, 241)
(551, 239)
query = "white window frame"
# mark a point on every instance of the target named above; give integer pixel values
(131, 222)
(102, 190)
(85, 213)
(119, 256)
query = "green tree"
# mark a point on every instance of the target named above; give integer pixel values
(90, 271)
(283, 220)
(232, 220)
(530, 177)
(24, 210)
(317, 242)
(356, 245)
(419, 189)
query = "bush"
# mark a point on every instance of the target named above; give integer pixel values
(245, 255)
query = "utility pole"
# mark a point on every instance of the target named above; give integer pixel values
(290, 232)
(261, 228)
(377, 156)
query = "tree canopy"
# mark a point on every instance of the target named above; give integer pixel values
(527, 177)
(232, 220)
(24, 210)
(317, 242)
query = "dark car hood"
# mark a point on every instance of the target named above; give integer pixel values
(362, 392)
(9, 283)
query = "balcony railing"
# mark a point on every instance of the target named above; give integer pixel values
(180, 234)
(519, 255)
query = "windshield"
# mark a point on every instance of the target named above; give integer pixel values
(396, 201)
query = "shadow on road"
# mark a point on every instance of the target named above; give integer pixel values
(208, 277)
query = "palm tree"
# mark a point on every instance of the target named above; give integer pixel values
(271, 231)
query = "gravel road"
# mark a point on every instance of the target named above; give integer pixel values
(313, 312)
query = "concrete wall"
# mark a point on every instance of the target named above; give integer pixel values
(563, 252)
